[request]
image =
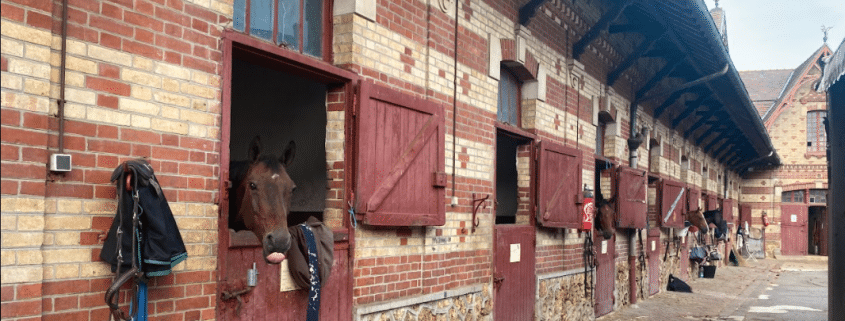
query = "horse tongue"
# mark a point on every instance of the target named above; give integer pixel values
(275, 257)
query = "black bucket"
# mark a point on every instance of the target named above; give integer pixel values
(709, 271)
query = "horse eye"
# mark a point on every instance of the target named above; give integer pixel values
(253, 186)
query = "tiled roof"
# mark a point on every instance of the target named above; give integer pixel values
(764, 86)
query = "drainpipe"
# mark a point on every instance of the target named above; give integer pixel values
(61, 102)
(634, 142)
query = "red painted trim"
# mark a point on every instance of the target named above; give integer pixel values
(225, 133)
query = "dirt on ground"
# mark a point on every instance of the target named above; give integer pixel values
(717, 298)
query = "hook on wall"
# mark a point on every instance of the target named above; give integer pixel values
(476, 203)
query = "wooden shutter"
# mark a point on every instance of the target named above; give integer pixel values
(670, 190)
(558, 185)
(631, 192)
(401, 175)
(712, 203)
(693, 197)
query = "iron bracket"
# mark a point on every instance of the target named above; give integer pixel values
(476, 203)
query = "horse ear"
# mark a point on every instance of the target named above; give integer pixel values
(255, 148)
(288, 154)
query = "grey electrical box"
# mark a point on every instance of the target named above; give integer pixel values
(60, 162)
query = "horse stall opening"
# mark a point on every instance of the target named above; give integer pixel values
(281, 100)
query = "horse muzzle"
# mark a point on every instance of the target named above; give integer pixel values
(276, 243)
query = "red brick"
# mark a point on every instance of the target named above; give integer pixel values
(142, 49)
(9, 152)
(80, 128)
(28, 291)
(64, 316)
(107, 101)
(110, 71)
(39, 20)
(141, 150)
(193, 169)
(106, 85)
(112, 11)
(34, 154)
(125, 3)
(199, 12)
(199, 64)
(90, 300)
(69, 190)
(192, 277)
(164, 306)
(199, 25)
(32, 171)
(83, 33)
(141, 136)
(143, 21)
(173, 57)
(65, 303)
(191, 303)
(24, 137)
(144, 7)
(71, 142)
(173, 44)
(172, 16)
(170, 140)
(106, 131)
(174, 30)
(176, 4)
(35, 4)
(11, 12)
(110, 26)
(100, 314)
(20, 309)
(192, 315)
(33, 188)
(11, 117)
(8, 187)
(144, 36)
(8, 293)
(110, 147)
(38, 121)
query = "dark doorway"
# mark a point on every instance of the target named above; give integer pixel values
(512, 185)
(816, 233)
(281, 108)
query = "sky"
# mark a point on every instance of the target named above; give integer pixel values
(779, 34)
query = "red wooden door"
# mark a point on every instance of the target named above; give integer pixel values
(558, 185)
(401, 175)
(671, 193)
(744, 215)
(793, 229)
(513, 277)
(632, 207)
(605, 273)
(712, 202)
(266, 301)
(653, 252)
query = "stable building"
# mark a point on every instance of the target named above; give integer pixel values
(793, 196)
(451, 146)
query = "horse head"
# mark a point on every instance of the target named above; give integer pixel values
(263, 198)
(605, 215)
(697, 219)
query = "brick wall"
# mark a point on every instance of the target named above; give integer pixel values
(142, 81)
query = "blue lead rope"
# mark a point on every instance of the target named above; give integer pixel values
(314, 292)
(141, 312)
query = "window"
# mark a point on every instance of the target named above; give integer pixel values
(793, 196)
(509, 98)
(818, 196)
(816, 135)
(296, 24)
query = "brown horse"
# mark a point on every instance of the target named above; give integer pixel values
(262, 196)
(605, 216)
(697, 219)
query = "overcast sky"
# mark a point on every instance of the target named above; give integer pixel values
(779, 34)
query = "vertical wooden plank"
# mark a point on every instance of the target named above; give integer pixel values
(515, 293)
(605, 274)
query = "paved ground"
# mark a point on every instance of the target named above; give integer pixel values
(787, 288)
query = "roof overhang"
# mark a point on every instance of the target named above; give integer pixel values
(678, 56)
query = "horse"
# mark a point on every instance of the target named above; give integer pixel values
(721, 226)
(605, 215)
(262, 198)
(697, 219)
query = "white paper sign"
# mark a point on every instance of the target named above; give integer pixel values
(286, 282)
(604, 247)
(515, 252)
(793, 218)
(653, 245)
